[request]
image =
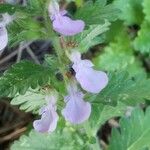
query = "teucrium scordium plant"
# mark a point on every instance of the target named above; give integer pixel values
(70, 94)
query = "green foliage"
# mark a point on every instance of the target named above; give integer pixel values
(27, 29)
(131, 11)
(146, 10)
(141, 42)
(11, 9)
(68, 139)
(91, 37)
(32, 100)
(21, 76)
(118, 55)
(124, 88)
(96, 13)
(36, 5)
(134, 132)
(101, 113)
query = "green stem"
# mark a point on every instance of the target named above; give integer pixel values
(49, 30)
(60, 55)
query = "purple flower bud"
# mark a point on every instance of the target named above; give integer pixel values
(90, 80)
(48, 121)
(3, 37)
(77, 110)
(63, 24)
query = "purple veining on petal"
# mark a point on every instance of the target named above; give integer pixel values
(63, 24)
(90, 80)
(76, 110)
(49, 118)
(3, 37)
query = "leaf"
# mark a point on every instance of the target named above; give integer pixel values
(67, 139)
(101, 113)
(141, 42)
(27, 29)
(146, 10)
(8, 8)
(134, 132)
(124, 88)
(20, 77)
(33, 100)
(118, 55)
(131, 11)
(90, 37)
(96, 13)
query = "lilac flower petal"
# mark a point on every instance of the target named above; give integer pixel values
(63, 12)
(3, 37)
(77, 110)
(91, 80)
(66, 26)
(48, 121)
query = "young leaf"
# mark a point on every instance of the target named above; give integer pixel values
(96, 13)
(141, 42)
(32, 100)
(90, 37)
(124, 88)
(134, 132)
(21, 76)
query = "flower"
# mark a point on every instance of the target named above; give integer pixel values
(3, 31)
(63, 24)
(48, 121)
(90, 80)
(3, 37)
(76, 110)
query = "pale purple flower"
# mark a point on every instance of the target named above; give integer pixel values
(3, 37)
(6, 19)
(90, 80)
(76, 110)
(49, 118)
(63, 24)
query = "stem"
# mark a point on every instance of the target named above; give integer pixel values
(49, 29)
(60, 55)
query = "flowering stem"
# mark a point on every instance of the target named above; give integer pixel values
(60, 55)
(49, 30)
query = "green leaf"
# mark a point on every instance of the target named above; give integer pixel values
(21, 76)
(67, 139)
(96, 13)
(8, 8)
(27, 29)
(141, 42)
(146, 10)
(124, 88)
(134, 132)
(118, 55)
(90, 37)
(101, 113)
(33, 100)
(131, 11)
